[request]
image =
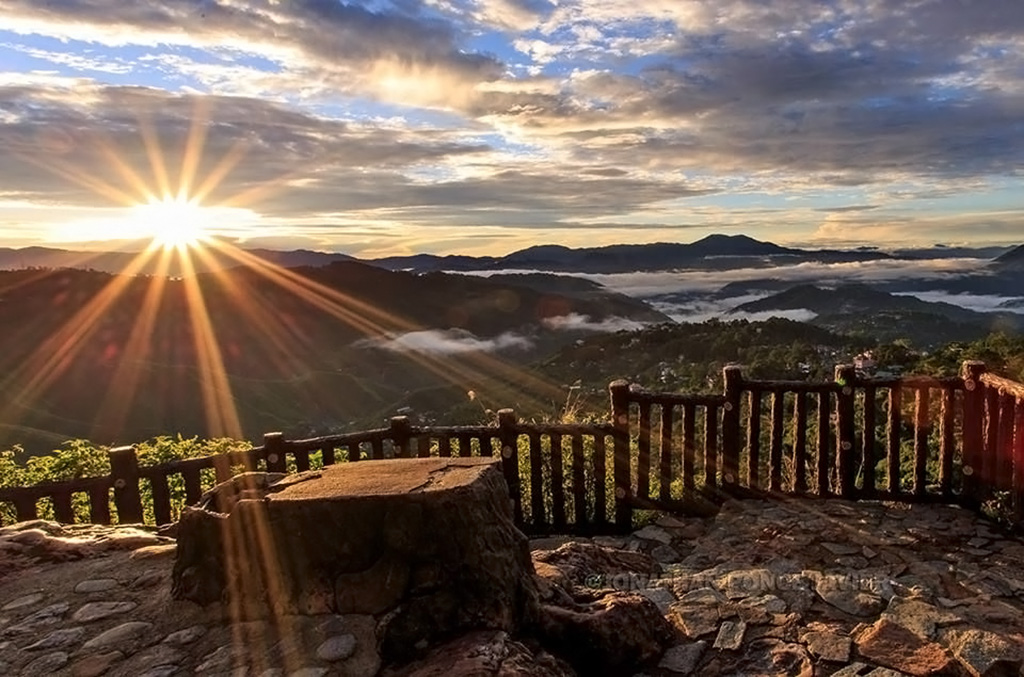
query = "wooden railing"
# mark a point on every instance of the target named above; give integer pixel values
(956, 440)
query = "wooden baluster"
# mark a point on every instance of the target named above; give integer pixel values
(824, 425)
(62, 509)
(537, 511)
(643, 461)
(689, 446)
(327, 453)
(25, 506)
(892, 457)
(99, 505)
(922, 429)
(947, 445)
(711, 446)
(973, 440)
(600, 478)
(301, 460)
(274, 448)
(619, 391)
(846, 428)
(800, 443)
(557, 484)
(1004, 447)
(222, 468)
(509, 438)
(579, 482)
(377, 448)
(161, 497)
(124, 470)
(401, 434)
(754, 441)
(665, 461)
(193, 485)
(775, 450)
(423, 446)
(1018, 460)
(867, 442)
(989, 462)
(733, 378)
(445, 446)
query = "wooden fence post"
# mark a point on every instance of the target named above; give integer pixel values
(401, 433)
(273, 451)
(732, 375)
(124, 471)
(619, 391)
(974, 412)
(509, 438)
(846, 375)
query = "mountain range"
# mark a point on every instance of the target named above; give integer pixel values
(714, 252)
(308, 350)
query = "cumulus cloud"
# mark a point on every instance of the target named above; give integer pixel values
(578, 322)
(548, 114)
(446, 342)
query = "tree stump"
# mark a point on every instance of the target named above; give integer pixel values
(427, 546)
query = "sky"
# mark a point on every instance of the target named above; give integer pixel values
(393, 127)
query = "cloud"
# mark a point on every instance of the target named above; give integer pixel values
(982, 303)
(577, 322)
(446, 342)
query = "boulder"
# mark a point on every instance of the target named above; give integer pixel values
(484, 654)
(613, 635)
(894, 646)
(426, 546)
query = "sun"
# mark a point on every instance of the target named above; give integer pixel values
(172, 222)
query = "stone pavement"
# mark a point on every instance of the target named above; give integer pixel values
(792, 587)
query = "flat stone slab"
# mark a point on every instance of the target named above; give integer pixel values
(387, 477)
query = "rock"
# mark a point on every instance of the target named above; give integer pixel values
(919, 617)
(767, 603)
(186, 635)
(661, 597)
(893, 646)
(58, 639)
(769, 658)
(703, 597)
(828, 646)
(308, 672)
(96, 585)
(154, 551)
(986, 654)
(430, 542)
(222, 659)
(24, 601)
(95, 611)
(730, 635)
(842, 593)
(578, 561)
(96, 664)
(747, 583)
(125, 635)
(654, 533)
(612, 635)
(841, 548)
(683, 659)
(49, 615)
(481, 654)
(665, 554)
(852, 670)
(694, 621)
(336, 648)
(46, 664)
